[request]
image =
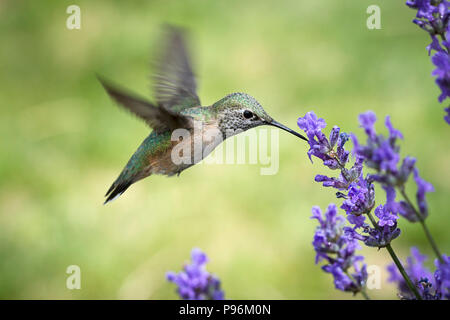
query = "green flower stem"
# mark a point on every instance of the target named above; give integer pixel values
(364, 294)
(403, 272)
(424, 226)
(397, 262)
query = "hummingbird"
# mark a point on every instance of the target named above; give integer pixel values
(178, 106)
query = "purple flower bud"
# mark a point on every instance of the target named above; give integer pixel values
(351, 234)
(342, 155)
(343, 138)
(171, 276)
(406, 169)
(367, 121)
(334, 135)
(198, 257)
(356, 170)
(357, 221)
(422, 188)
(386, 218)
(393, 133)
(331, 163)
(317, 214)
(434, 45)
(391, 205)
(406, 211)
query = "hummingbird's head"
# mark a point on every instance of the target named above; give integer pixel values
(240, 112)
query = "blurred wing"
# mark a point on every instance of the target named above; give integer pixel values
(175, 86)
(157, 117)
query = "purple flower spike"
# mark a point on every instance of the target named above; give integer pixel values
(194, 282)
(406, 169)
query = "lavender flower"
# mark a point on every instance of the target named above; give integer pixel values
(433, 16)
(382, 154)
(194, 282)
(358, 192)
(335, 242)
(337, 247)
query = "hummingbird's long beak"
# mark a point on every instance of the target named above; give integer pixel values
(283, 127)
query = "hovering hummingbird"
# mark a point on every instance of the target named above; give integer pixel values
(178, 106)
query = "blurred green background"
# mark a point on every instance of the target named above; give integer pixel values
(63, 142)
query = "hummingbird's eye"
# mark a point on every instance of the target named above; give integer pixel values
(248, 114)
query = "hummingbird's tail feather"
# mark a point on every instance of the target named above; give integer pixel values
(116, 190)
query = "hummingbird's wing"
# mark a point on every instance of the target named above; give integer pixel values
(157, 117)
(174, 82)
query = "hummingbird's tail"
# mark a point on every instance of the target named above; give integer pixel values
(129, 175)
(116, 189)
